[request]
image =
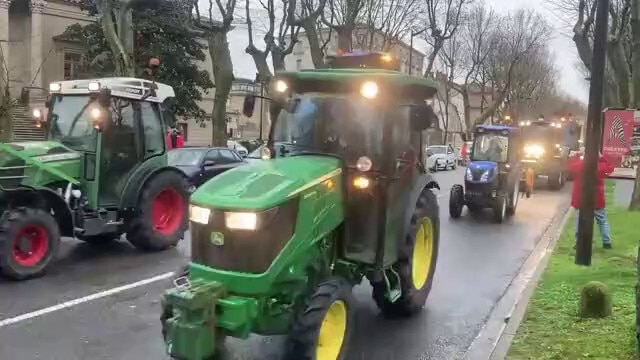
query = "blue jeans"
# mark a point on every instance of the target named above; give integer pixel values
(600, 216)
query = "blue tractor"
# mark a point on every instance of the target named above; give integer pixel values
(492, 178)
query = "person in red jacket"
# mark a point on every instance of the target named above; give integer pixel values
(174, 139)
(605, 168)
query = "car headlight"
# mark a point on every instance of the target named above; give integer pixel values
(534, 151)
(241, 220)
(199, 214)
(469, 175)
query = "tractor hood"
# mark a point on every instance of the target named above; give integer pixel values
(482, 165)
(57, 160)
(265, 184)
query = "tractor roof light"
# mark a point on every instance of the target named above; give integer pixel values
(55, 87)
(369, 90)
(386, 57)
(281, 86)
(94, 86)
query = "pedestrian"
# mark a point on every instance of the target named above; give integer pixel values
(605, 168)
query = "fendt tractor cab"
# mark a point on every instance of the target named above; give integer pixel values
(102, 171)
(339, 195)
(545, 153)
(492, 178)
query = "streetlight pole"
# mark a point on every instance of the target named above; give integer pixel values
(594, 132)
(413, 34)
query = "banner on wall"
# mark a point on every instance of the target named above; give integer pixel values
(621, 140)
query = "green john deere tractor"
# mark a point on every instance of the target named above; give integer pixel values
(101, 172)
(339, 195)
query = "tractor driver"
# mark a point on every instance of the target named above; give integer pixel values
(494, 151)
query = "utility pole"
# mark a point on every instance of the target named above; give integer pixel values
(594, 133)
(413, 34)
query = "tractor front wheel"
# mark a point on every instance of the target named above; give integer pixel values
(456, 201)
(416, 265)
(323, 328)
(29, 240)
(161, 219)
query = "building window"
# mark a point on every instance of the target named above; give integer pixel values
(73, 64)
(298, 64)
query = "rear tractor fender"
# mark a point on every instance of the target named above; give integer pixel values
(42, 198)
(131, 194)
(423, 182)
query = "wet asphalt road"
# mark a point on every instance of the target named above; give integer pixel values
(477, 261)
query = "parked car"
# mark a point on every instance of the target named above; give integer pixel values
(232, 144)
(441, 157)
(200, 164)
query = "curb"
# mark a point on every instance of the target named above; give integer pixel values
(495, 337)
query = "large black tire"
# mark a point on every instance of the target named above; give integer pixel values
(305, 336)
(29, 241)
(556, 181)
(162, 216)
(513, 199)
(500, 209)
(414, 292)
(456, 201)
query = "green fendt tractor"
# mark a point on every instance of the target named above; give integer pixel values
(339, 195)
(101, 172)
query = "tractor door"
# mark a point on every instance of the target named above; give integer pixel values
(121, 150)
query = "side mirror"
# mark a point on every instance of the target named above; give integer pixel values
(24, 97)
(208, 163)
(249, 105)
(422, 117)
(104, 98)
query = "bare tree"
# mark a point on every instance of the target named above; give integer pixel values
(309, 16)
(386, 22)
(451, 57)
(443, 17)
(518, 36)
(216, 35)
(477, 42)
(345, 16)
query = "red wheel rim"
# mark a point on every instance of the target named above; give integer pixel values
(167, 211)
(30, 245)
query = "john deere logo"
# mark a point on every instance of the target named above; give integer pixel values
(217, 238)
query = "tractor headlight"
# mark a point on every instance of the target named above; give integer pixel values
(535, 151)
(469, 175)
(485, 176)
(281, 86)
(241, 220)
(199, 214)
(369, 89)
(361, 182)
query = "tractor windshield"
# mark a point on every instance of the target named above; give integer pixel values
(344, 125)
(69, 116)
(490, 147)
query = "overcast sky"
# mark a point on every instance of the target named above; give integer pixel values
(562, 46)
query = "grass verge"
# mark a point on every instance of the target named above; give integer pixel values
(552, 329)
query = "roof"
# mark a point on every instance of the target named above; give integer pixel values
(125, 87)
(338, 79)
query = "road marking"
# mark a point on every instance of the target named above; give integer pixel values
(92, 297)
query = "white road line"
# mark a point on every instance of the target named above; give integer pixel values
(92, 297)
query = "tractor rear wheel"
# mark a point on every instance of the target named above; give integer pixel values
(29, 241)
(161, 219)
(322, 329)
(417, 257)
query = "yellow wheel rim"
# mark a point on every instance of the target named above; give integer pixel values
(332, 332)
(422, 253)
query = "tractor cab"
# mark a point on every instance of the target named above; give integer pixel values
(545, 151)
(338, 195)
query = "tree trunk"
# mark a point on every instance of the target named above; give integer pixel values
(260, 60)
(345, 37)
(123, 63)
(277, 58)
(635, 56)
(223, 78)
(437, 45)
(467, 112)
(317, 54)
(620, 69)
(491, 109)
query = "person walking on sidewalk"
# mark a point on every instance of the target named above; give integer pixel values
(605, 168)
